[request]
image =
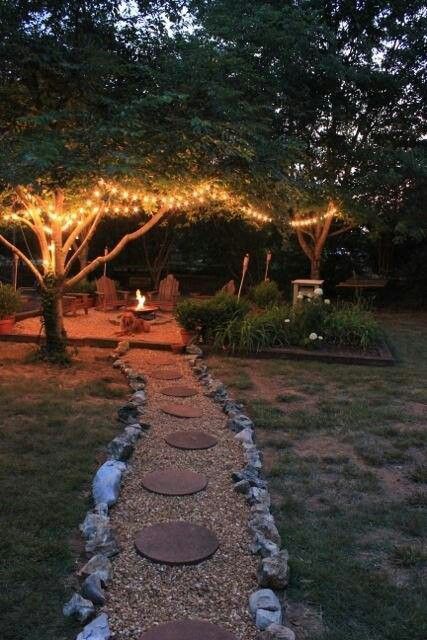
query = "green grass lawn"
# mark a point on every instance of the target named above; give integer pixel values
(344, 452)
(55, 424)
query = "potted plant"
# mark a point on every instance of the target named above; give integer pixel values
(10, 304)
(185, 316)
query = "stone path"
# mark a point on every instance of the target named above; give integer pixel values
(152, 600)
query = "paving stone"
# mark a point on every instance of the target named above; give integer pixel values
(176, 543)
(187, 630)
(190, 440)
(179, 391)
(171, 374)
(181, 410)
(174, 482)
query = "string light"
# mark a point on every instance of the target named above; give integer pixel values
(308, 222)
(109, 198)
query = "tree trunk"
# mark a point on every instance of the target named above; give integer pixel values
(315, 268)
(55, 348)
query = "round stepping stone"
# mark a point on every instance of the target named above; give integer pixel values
(187, 630)
(190, 440)
(172, 374)
(179, 391)
(176, 543)
(174, 482)
(181, 410)
(162, 362)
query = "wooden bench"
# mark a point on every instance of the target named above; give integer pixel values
(363, 283)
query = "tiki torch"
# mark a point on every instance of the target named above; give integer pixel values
(244, 269)
(105, 264)
(267, 264)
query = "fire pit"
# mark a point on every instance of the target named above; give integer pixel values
(142, 310)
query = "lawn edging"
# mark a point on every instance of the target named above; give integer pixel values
(100, 541)
(266, 603)
(384, 357)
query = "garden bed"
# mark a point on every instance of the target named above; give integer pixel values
(264, 326)
(381, 356)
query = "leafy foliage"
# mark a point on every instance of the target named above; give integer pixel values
(10, 301)
(206, 316)
(351, 325)
(255, 331)
(238, 328)
(265, 294)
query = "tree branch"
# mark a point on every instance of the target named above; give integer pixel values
(325, 231)
(304, 244)
(79, 229)
(24, 259)
(343, 230)
(119, 246)
(84, 243)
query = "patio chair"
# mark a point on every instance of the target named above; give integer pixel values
(109, 297)
(167, 294)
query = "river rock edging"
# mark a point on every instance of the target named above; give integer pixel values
(266, 603)
(100, 540)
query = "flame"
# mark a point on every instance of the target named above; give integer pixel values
(140, 300)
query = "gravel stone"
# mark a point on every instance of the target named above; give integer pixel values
(98, 629)
(79, 608)
(265, 608)
(92, 589)
(239, 421)
(103, 542)
(100, 565)
(273, 572)
(106, 483)
(277, 632)
(91, 523)
(120, 448)
(245, 435)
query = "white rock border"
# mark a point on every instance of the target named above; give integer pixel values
(96, 529)
(273, 570)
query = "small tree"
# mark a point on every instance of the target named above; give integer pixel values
(64, 226)
(313, 228)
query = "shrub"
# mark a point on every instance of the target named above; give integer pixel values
(230, 324)
(206, 316)
(265, 294)
(308, 317)
(256, 331)
(10, 301)
(351, 325)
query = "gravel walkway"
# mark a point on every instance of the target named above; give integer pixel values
(143, 594)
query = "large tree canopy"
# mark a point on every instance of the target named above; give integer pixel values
(345, 82)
